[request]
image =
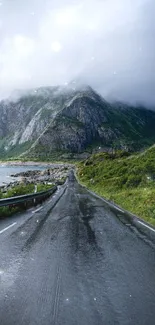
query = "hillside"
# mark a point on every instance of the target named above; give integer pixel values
(128, 181)
(51, 122)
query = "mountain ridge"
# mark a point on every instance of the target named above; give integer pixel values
(65, 120)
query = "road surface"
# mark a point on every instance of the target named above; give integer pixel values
(76, 261)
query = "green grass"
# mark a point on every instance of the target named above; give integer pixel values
(19, 190)
(128, 181)
(16, 191)
(13, 151)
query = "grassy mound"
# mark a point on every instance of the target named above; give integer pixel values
(127, 180)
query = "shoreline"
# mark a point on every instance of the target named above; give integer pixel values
(41, 174)
(31, 163)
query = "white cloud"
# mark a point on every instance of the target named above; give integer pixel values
(56, 46)
(23, 46)
(14, 61)
(106, 43)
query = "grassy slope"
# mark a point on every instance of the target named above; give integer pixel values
(19, 190)
(128, 181)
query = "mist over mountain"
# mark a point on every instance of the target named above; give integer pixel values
(107, 44)
(50, 122)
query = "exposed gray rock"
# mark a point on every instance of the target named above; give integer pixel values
(57, 121)
(53, 174)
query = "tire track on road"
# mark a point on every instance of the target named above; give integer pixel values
(56, 290)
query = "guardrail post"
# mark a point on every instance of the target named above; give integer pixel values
(35, 191)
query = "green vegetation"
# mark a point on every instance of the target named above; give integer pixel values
(19, 190)
(128, 181)
(13, 152)
(68, 121)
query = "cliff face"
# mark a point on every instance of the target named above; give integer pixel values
(53, 119)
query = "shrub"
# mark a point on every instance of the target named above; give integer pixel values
(133, 181)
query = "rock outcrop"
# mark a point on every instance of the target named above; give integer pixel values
(58, 121)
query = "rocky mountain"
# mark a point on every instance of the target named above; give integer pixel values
(64, 121)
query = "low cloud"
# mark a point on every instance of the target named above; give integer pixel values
(108, 44)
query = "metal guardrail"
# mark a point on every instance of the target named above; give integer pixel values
(25, 198)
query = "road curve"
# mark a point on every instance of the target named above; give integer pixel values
(74, 262)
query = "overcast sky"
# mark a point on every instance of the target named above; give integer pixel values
(109, 44)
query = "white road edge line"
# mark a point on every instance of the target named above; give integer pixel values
(13, 224)
(37, 210)
(108, 203)
(146, 226)
(105, 201)
(119, 209)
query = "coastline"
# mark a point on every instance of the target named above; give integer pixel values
(9, 171)
(30, 163)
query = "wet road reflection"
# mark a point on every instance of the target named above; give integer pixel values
(75, 262)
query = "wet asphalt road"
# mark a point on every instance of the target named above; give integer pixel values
(73, 262)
